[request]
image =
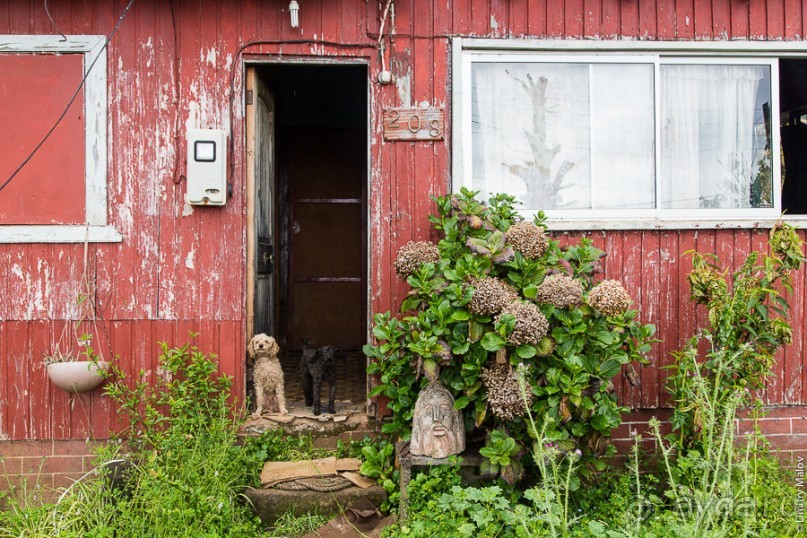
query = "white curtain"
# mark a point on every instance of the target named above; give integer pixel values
(586, 142)
(521, 150)
(707, 140)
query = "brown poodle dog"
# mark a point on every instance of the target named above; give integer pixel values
(268, 375)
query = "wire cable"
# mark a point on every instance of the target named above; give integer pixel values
(72, 99)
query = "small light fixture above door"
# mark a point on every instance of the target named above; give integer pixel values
(294, 11)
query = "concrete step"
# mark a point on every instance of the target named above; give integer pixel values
(270, 504)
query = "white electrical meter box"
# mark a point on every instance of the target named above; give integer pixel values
(207, 167)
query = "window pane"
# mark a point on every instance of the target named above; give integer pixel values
(564, 135)
(715, 145)
(622, 137)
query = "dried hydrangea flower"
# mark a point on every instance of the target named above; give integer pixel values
(609, 297)
(531, 324)
(412, 255)
(505, 398)
(560, 290)
(528, 239)
(490, 296)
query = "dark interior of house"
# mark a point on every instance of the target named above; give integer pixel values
(793, 112)
(321, 228)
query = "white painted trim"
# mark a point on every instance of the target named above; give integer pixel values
(59, 234)
(706, 48)
(465, 51)
(92, 47)
(666, 224)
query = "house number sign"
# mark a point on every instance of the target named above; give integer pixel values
(414, 124)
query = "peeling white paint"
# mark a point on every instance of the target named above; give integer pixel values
(494, 25)
(211, 56)
(187, 209)
(404, 85)
(686, 20)
(189, 259)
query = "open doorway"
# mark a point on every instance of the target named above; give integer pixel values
(307, 136)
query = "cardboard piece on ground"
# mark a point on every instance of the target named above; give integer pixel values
(360, 520)
(359, 480)
(275, 472)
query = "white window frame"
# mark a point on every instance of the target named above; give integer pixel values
(96, 227)
(465, 51)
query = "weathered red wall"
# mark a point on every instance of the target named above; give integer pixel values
(180, 269)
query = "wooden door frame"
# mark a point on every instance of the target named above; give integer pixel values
(248, 65)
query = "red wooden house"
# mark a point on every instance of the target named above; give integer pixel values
(649, 126)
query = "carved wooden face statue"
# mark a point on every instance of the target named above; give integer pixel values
(438, 430)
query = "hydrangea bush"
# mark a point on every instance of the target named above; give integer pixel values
(498, 305)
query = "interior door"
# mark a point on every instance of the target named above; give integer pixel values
(327, 284)
(261, 164)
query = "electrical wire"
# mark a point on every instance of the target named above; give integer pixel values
(72, 99)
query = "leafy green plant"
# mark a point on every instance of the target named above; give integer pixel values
(379, 457)
(188, 467)
(747, 325)
(277, 445)
(496, 286)
(502, 458)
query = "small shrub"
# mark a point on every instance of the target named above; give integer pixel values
(502, 288)
(747, 324)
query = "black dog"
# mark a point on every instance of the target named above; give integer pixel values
(316, 366)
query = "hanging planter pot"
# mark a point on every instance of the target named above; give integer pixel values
(77, 376)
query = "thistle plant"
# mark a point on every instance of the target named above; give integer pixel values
(747, 325)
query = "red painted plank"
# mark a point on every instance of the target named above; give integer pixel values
(518, 17)
(652, 294)
(686, 308)
(555, 18)
(648, 28)
(60, 410)
(480, 16)
(740, 22)
(500, 22)
(330, 19)
(632, 281)
(19, 362)
(721, 19)
(666, 324)
(592, 18)
(39, 404)
(794, 19)
(793, 359)
(575, 19)
(776, 19)
(758, 19)
(685, 19)
(629, 18)
(704, 25)
(611, 25)
(665, 22)
(537, 18)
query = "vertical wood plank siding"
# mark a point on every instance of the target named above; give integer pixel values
(181, 269)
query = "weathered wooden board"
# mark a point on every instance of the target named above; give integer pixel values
(163, 279)
(414, 124)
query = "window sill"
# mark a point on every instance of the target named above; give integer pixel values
(559, 224)
(59, 234)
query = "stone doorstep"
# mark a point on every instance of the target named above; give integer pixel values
(270, 504)
(349, 422)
